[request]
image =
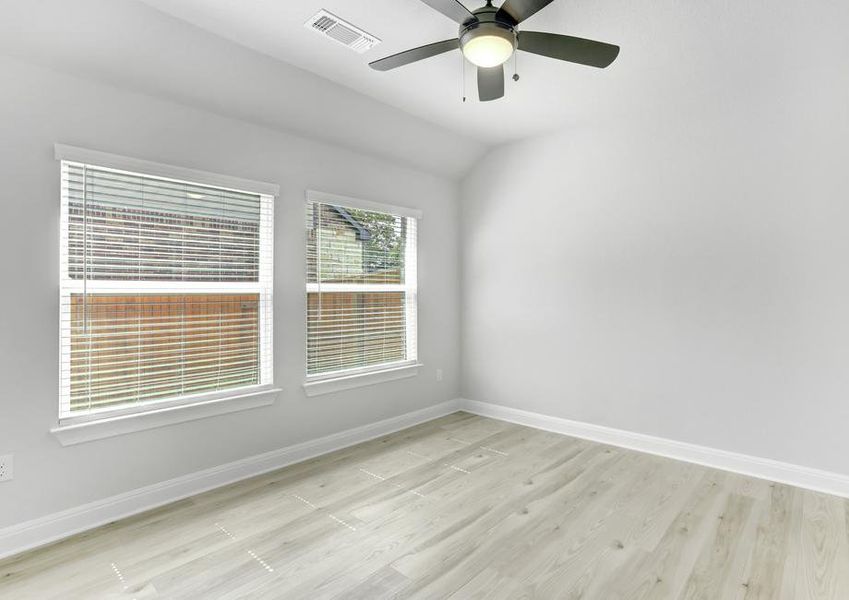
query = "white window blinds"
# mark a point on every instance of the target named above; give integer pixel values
(166, 290)
(361, 289)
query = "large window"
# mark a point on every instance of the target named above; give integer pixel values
(166, 291)
(361, 287)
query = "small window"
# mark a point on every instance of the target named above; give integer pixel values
(361, 287)
(166, 291)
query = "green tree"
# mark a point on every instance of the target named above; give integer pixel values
(384, 250)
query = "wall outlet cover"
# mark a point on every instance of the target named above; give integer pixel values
(7, 465)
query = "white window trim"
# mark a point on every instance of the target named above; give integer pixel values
(126, 163)
(348, 202)
(336, 381)
(112, 424)
(71, 430)
(318, 385)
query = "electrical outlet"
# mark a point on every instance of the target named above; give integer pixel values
(439, 374)
(7, 467)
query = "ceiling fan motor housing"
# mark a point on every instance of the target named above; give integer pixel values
(487, 24)
(497, 29)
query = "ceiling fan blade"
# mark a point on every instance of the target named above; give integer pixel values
(451, 9)
(411, 56)
(568, 48)
(490, 83)
(519, 10)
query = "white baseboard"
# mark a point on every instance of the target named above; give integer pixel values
(762, 468)
(50, 528)
(44, 530)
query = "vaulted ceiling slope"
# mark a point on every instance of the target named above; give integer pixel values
(678, 57)
(134, 46)
(548, 95)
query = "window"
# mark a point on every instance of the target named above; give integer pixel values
(166, 291)
(361, 286)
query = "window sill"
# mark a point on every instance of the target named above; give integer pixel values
(347, 382)
(79, 433)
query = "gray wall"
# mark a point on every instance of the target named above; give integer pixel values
(137, 48)
(39, 107)
(679, 273)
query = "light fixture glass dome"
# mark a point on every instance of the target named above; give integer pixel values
(487, 50)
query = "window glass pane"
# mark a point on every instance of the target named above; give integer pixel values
(137, 348)
(348, 330)
(148, 229)
(166, 289)
(348, 245)
(361, 288)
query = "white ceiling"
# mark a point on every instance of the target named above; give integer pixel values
(676, 55)
(254, 60)
(549, 92)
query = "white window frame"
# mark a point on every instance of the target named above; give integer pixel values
(72, 429)
(325, 383)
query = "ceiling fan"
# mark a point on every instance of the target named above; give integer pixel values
(490, 35)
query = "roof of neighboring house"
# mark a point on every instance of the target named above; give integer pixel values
(363, 234)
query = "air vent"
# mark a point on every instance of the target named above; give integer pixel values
(340, 31)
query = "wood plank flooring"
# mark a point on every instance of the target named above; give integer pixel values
(464, 507)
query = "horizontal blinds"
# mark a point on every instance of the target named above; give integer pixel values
(126, 226)
(141, 348)
(361, 288)
(137, 252)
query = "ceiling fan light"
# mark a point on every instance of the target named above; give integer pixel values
(488, 50)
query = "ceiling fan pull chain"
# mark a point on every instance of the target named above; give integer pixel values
(463, 76)
(515, 66)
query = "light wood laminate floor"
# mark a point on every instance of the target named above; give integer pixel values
(464, 507)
